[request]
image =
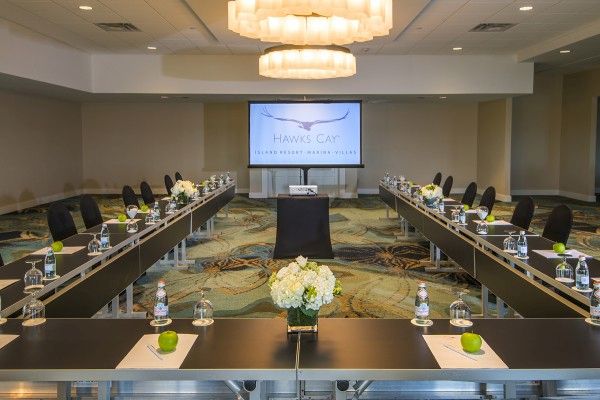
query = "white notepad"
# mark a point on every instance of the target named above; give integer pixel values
(65, 250)
(448, 353)
(6, 339)
(496, 222)
(552, 254)
(7, 282)
(143, 357)
(116, 221)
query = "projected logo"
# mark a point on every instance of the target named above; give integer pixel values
(306, 125)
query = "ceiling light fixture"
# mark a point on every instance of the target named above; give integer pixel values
(151, 47)
(442, 97)
(457, 48)
(566, 51)
(307, 62)
(85, 8)
(526, 8)
(310, 22)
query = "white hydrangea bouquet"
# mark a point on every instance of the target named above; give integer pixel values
(182, 191)
(302, 288)
(431, 194)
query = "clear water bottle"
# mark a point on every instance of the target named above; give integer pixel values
(422, 304)
(156, 212)
(50, 265)
(582, 275)
(386, 178)
(462, 216)
(522, 245)
(595, 304)
(161, 304)
(104, 237)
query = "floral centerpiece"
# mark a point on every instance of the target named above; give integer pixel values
(182, 191)
(431, 194)
(302, 288)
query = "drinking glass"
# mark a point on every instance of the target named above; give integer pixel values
(34, 312)
(203, 311)
(94, 246)
(171, 207)
(564, 271)
(510, 243)
(482, 213)
(33, 279)
(228, 176)
(132, 226)
(132, 211)
(441, 206)
(460, 312)
(455, 215)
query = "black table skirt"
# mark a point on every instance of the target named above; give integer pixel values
(303, 227)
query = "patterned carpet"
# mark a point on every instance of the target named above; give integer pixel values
(378, 268)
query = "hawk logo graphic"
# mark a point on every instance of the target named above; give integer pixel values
(306, 125)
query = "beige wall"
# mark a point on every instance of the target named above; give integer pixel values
(493, 147)
(125, 143)
(226, 137)
(578, 140)
(536, 131)
(417, 140)
(40, 150)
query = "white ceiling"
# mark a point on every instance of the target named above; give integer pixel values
(420, 27)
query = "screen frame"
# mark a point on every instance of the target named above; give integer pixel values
(304, 166)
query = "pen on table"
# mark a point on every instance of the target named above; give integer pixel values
(153, 350)
(459, 352)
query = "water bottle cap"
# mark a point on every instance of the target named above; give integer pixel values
(104, 225)
(581, 258)
(522, 232)
(422, 284)
(161, 283)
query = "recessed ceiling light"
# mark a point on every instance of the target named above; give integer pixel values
(85, 8)
(164, 97)
(151, 47)
(457, 48)
(442, 97)
(566, 51)
(526, 8)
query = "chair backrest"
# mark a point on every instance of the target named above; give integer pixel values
(168, 184)
(1, 261)
(60, 222)
(559, 223)
(447, 188)
(470, 193)
(129, 197)
(90, 211)
(178, 176)
(488, 198)
(523, 213)
(147, 194)
(437, 179)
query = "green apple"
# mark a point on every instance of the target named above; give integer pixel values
(167, 341)
(122, 217)
(471, 342)
(466, 207)
(559, 248)
(145, 208)
(490, 218)
(57, 246)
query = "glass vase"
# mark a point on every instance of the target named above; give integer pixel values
(297, 321)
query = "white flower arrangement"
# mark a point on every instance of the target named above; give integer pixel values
(305, 285)
(431, 193)
(183, 190)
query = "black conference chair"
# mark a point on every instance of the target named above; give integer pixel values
(168, 184)
(469, 195)
(437, 179)
(90, 211)
(1, 261)
(129, 197)
(447, 188)
(178, 176)
(60, 222)
(147, 194)
(523, 213)
(559, 223)
(488, 198)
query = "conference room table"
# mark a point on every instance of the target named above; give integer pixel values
(87, 283)
(528, 286)
(67, 350)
